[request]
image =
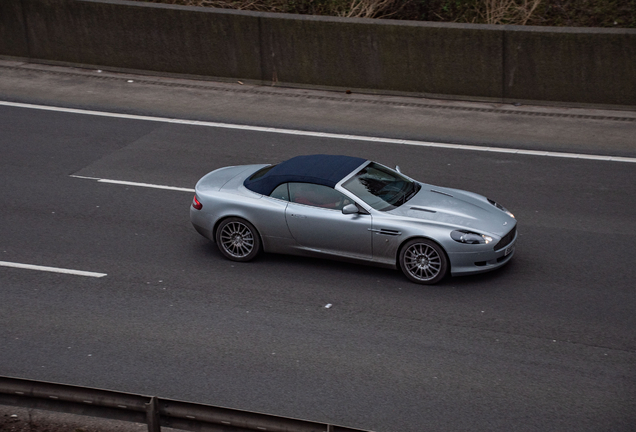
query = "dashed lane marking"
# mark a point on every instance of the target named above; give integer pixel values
(51, 269)
(129, 183)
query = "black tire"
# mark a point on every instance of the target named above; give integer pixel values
(238, 240)
(423, 261)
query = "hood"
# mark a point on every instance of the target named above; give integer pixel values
(456, 207)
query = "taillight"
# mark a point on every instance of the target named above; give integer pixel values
(196, 204)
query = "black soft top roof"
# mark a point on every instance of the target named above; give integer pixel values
(325, 170)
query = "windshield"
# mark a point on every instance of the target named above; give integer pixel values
(381, 188)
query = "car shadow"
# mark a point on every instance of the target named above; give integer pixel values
(310, 268)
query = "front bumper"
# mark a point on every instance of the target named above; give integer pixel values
(467, 263)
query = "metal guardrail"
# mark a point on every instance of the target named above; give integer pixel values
(152, 410)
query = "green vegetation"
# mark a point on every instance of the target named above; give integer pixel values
(574, 13)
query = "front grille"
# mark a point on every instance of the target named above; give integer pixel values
(505, 240)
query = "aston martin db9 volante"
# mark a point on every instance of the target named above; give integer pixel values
(352, 209)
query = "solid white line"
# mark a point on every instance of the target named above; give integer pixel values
(129, 183)
(52, 269)
(327, 135)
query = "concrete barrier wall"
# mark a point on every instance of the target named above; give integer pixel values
(12, 31)
(596, 66)
(144, 36)
(503, 63)
(383, 55)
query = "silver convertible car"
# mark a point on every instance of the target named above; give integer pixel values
(352, 209)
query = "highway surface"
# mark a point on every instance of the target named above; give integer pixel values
(546, 343)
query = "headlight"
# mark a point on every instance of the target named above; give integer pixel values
(470, 237)
(500, 207)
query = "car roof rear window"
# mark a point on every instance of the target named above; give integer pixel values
(326, 170)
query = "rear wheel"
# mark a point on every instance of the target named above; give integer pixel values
(238, 240)
(423, 261)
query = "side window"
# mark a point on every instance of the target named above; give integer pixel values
(281, 192)
(317, 196)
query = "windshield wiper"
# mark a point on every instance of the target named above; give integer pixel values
(406, 197)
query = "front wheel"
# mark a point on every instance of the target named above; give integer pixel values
(238, 240)
(423, 261)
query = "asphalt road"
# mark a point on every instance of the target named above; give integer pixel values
(546, 343)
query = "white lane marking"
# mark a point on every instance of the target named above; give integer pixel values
(51, 269)
(84, 177)
(148, 185)
(328, 135)
(129, 183)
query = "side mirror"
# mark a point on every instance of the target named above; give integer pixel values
(350, 209)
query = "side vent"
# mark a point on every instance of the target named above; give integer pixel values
(384, 231)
